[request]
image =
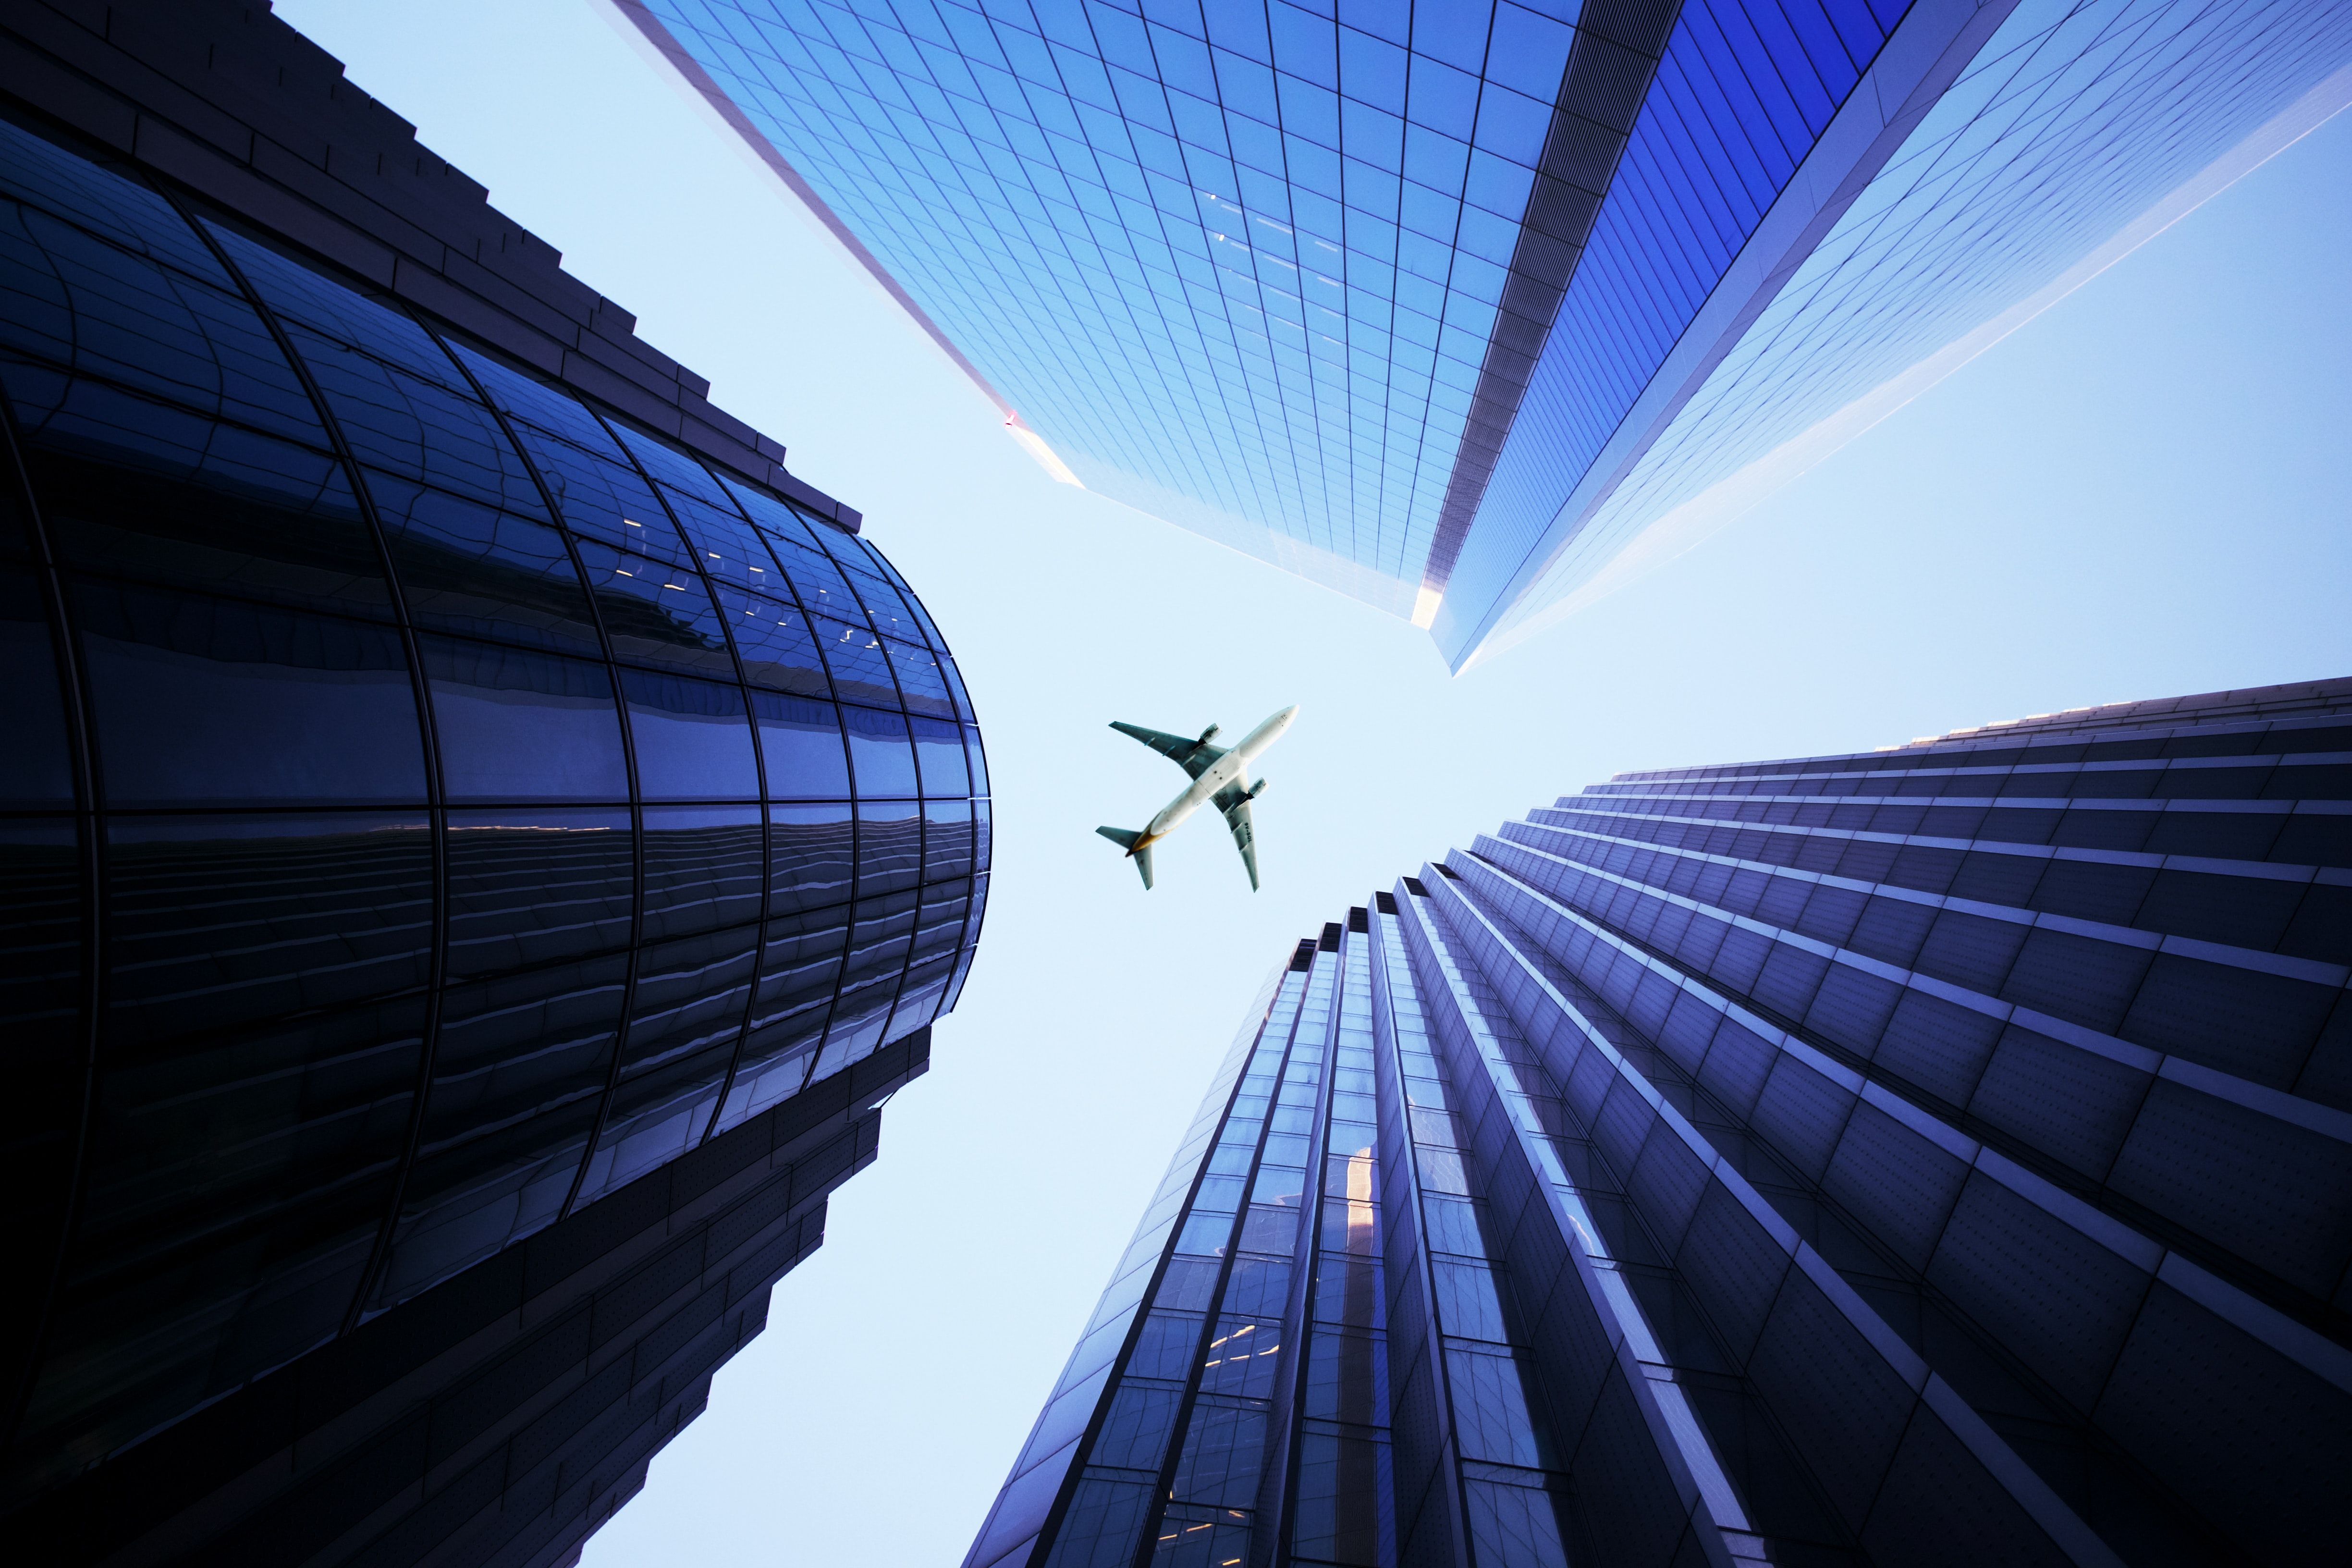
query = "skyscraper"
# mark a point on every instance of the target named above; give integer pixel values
(1935, 1155)
(1446, 305)
(482, 840)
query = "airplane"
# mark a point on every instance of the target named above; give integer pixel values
(1220, 776)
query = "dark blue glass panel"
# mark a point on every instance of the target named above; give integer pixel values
(861, 670)
(812, 856)
(889, 846)
(939, 749)
(602, 500)
(216, 701)
(36, 767)
(921, 681)
(294, 292)
(673, 468)
(880, 755)
(693, 737)
(418, 429)
(656, 612)
(105, 202)
(470, 568)
(515, 725)
(773, 641)
(800, 964)
(703, 865)
(518, 1077)
(801, 747)
(532, 885)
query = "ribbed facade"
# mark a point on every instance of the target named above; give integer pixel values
(1940, 1154)
(473, 865)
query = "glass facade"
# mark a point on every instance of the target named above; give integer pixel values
(1442, 305)
(1935, 1154)
(431, 806)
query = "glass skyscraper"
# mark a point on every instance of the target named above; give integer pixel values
(1928, 1156)
(481, 840)
(1470, 309)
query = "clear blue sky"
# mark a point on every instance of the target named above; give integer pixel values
(2145, 491)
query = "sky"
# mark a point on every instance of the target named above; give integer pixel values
(2145, 491)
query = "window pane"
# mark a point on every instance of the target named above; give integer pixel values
(209, 700)
(938, 747)
(516, 1077)
(861, 670)
(811, 856)
(702, 868)
(36, 768)
(799, 742)
(921, 679)
(889, 846)
(798, 969)
(531, 886)
(880, 752)
(522, 726)
(466, 567)
(947, 839)
(776, 644)
(654, 613)
(693, 738)
(603, 500)
(417, 428)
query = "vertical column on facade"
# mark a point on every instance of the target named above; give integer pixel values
(1470, 1420)
(1209, 1485)
(1073, 1492)
(1337, 1483)
(1900, 1455)
(1911, 1208)
(1649, 1484)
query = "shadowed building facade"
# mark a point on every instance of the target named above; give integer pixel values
(1472, 309)
(481, 840)
(1938, 1154)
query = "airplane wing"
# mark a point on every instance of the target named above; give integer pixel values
(1195, 756)
(1233, 800)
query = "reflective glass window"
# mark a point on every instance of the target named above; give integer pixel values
(861, 670)
(36, 767)
(235, 1185)
(517, 1076)
(470, 568)
(799, 966)
(974, 755)
(726, 549)
(418, 429)
(889, 846)
(921, 679)
(938, 750)
(218, 919)
(654, 613)
(86, 305)
(817, 582)
(228, 510)
(812, 856)
(103, 201)
(293, 291)
(518, 725)
(681, 1040)
(693, 737)
(980, 843)
(673, 468)
(603, 501)
(532, 885)
(947, 839)
(774, 640)
(199, 700)
(548, 410)
(702, 868)
(801, 747)
(880, 754)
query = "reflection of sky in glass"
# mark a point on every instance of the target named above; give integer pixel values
(1985, 204)
(1239, 263)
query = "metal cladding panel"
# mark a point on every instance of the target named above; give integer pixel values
(435, 806)
(1806, 1161)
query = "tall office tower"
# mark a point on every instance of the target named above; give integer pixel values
(481, 842)
(1444, 305)
(1940, 1154)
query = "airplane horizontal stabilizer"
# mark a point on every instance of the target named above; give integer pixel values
(1125, 840)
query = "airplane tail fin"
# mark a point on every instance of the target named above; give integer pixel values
(1125, 840)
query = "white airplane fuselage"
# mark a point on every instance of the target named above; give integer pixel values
(1231, 768)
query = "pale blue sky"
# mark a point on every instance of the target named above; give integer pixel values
(2147, 491)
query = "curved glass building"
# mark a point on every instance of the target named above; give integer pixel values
(1470, 308)
(446, 823)
(1933, 1155)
